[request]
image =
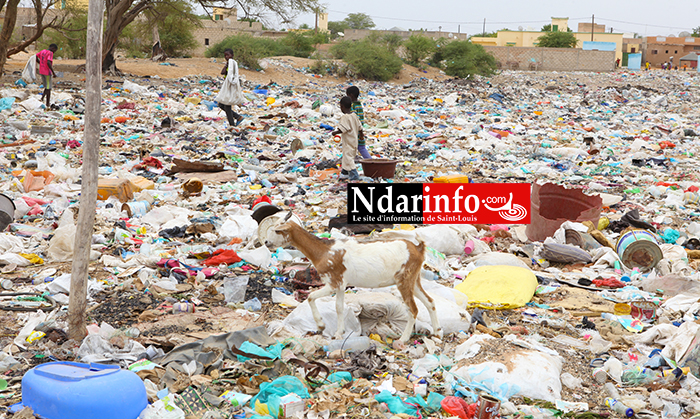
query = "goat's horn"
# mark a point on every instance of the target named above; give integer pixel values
(288, 216)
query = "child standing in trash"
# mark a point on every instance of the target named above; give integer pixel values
(45, 60)
(350, 130)
(353, 92)
(234, 119)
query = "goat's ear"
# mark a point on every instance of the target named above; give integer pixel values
(282, 228)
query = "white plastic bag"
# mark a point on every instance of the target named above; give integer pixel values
(235, 288)
(161, 410)
(231, 93)
(29, 72)
(63, 241)
(133, 87)
(302, 321)
(523, 373)
(260, 257)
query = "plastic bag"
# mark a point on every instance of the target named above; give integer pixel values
(235, 288)
(29, 72)
(280, 387)
(6, 103)
(231, 93)
(62, 243)
(530, 374)
(458, 407)
(241, 226)
(260, 257)
(395, 404)
(302, 321)
(499, 287)
(671, 285)
(10, 244)
(161, 410)
(133, 87)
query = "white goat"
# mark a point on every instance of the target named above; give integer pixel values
(342, 264)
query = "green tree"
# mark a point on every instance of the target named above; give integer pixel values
(42, 22)
(172, 24)
(336, 28)
(359, 21)
(696, 32)
(418, 48)
(304, 26)
(557, 40)
(463, 59)
(71, 43)
(120, 13)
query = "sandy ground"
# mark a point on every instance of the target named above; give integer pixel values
(281, 70)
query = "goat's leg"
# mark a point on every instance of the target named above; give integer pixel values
(430, 305)
(323, 292)
(410, 303)
(340, 311)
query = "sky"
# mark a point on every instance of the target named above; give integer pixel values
(645, 17)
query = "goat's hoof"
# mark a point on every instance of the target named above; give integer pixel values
(439, 334)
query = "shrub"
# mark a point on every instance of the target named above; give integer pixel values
(373, 61)
(340, 49)
(392, 41)
(463, 59)
(247, 50)
(418, 48)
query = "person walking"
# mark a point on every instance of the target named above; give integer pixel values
(230, 93)
(45, 60)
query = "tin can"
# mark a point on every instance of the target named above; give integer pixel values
(643, 310)
(7, 284)
(183, 308)
(600, 375)
(640, 249)
(489, 407)
(136, 208)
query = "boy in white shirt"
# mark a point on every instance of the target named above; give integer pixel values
(350, 130)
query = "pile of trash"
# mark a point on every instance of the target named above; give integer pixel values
(590, 309)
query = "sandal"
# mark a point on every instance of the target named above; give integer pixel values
(238, 121)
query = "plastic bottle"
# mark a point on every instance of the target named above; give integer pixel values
(612, 391)
(618, 407)
(356, 343)
(253, 304)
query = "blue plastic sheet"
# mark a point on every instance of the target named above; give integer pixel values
(6, 103)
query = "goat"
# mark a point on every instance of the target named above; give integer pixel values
(342, 264)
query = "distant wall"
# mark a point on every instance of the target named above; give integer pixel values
(357, 34)
(213, 32)
(552, 59)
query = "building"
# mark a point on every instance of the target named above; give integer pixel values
(529, 38)
(223, 23)
(659, 49)
(689, 60)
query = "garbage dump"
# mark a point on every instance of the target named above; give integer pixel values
(591, 310)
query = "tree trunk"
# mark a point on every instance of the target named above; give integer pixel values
(77, 302)
(157, 52)
(8, 26)
(109, 64)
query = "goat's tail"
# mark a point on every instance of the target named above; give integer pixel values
(420, 246)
